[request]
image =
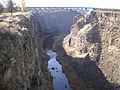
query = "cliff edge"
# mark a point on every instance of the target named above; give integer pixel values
(20, 65)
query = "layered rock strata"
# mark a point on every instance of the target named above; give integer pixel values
(97, 35)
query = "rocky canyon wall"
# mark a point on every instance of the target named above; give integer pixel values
(23, 61)
(20, 58)
(89, 52)
(96, 35)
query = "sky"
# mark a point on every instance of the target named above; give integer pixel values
(71, 3)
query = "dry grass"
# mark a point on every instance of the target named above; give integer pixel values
(14, 14)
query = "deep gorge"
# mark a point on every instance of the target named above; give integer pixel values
(87, 47)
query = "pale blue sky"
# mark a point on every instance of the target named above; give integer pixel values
(71, 3)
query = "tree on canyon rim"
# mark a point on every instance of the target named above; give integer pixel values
(10, 6)
(23, 5)
(1, 8)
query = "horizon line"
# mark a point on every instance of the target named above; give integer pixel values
(73, 7)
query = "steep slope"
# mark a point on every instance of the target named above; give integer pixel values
(57, 21)
(23, 61)
(97, 35)
(20, 65)
(89, 54)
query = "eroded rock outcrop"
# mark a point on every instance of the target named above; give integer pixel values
(20, 62)
(97, 35)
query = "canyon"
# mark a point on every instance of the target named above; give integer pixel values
(87, 44)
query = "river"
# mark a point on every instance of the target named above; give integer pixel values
(60, 81)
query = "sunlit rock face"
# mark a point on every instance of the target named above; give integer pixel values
(84, 37)
(97, 34)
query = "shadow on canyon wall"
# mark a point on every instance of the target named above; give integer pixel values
(83, 74)
(47, 43)
(85, 69)
(89, 75)
(94, 37)
(10, 46)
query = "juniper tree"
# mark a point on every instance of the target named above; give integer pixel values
(23, 5)
(1, 8)
(10, 6)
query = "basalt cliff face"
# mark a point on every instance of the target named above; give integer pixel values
(96, 35)
(89, 54)
(23, 60)
(20, 61)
